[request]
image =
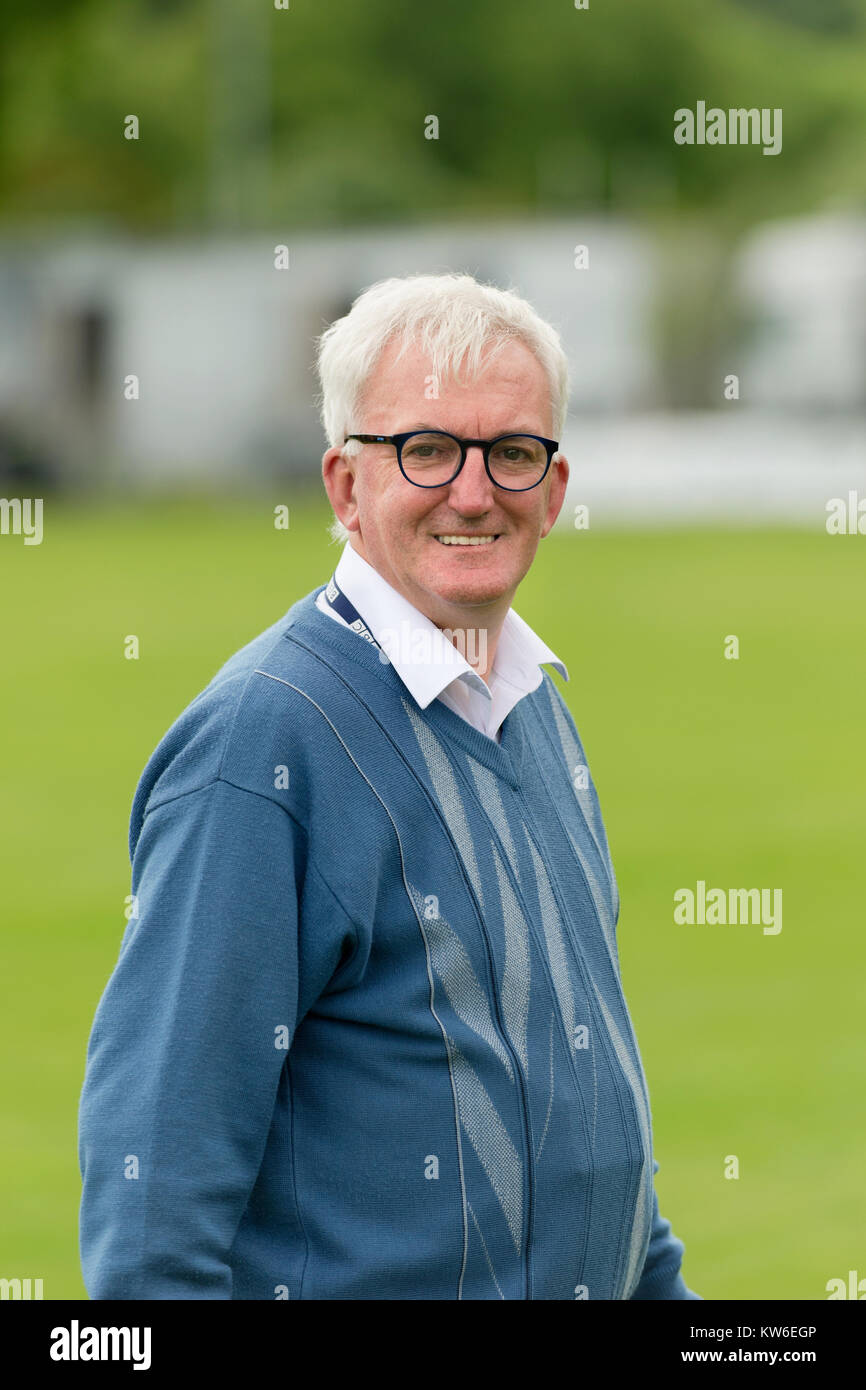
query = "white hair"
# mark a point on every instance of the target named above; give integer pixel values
(454, 319)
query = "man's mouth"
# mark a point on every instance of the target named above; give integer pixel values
(451, 538)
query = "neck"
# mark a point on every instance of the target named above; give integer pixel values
(473, 631)
(469, 634)
(480, 651)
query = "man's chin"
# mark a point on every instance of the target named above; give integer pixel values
(461, 582)
(469, 594)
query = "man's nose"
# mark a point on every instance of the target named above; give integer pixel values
(472, 482)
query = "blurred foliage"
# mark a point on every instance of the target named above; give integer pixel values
(835, 16)
(315, 114)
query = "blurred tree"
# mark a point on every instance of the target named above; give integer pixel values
(316, 114)
(831, 16)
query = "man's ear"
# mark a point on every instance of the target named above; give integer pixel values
(559, 469)
(338, 476)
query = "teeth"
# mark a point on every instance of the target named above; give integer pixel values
(465, 540)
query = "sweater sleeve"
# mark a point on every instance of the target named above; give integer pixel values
(188, 1044)
(661, 1277)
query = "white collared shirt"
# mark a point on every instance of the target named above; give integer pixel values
(429, 664)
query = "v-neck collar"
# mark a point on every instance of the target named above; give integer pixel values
(315, 630)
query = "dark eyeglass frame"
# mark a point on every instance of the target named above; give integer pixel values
(399, 441)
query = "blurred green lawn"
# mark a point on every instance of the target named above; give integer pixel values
(746, 773)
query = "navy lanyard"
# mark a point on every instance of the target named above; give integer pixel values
(346, 609)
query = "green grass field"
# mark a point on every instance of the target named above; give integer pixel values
(747, 773)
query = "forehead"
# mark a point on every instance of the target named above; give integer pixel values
(411, 374)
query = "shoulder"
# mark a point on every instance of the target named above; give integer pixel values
(555, 714)
(230, 725)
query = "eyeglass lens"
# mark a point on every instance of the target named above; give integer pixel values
(515, 462)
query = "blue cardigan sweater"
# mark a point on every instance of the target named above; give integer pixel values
(366, 1036)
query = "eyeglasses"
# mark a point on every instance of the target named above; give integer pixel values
(432, 458)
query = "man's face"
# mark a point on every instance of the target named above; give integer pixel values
(394, 525)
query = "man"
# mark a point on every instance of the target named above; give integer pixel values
(366, 1037)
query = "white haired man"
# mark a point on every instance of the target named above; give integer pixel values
(366, 1036)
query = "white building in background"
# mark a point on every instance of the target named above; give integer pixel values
(222, 343)
(222, 346)
(795, 436)
(801, 287)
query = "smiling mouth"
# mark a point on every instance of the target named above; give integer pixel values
(466, 542)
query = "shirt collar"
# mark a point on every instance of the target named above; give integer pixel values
(424, 659)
